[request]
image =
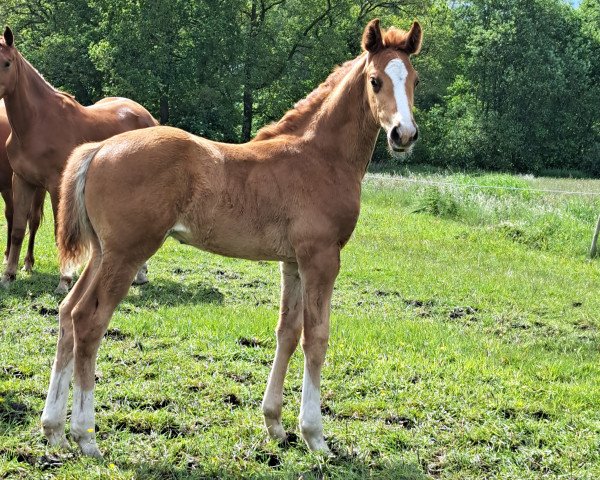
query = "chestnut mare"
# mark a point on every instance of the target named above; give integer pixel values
(6, 173)
(292, 195)
(46, 125)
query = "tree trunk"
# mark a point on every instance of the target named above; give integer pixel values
(248, 112)
(164, 109)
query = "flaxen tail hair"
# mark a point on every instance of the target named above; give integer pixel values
(75, 233)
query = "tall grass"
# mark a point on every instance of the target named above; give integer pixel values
(515, 208)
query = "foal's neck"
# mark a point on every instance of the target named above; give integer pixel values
(344, 125)
(31, 97)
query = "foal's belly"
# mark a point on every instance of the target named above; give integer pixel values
(267, 244)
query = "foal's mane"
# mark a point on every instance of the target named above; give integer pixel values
(308, 105)
(392, 38)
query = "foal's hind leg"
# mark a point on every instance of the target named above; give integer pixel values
(55, 409)
(318, 272)
(35, 216)
(288, 334)
(91, 316)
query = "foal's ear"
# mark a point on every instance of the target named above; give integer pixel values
(372, 40)
(414, 38)
(8, 37)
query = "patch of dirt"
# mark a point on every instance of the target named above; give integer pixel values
(383, 293)
(13, 412)
(256, 283)
(11, 371)
(251, 342)
(240, 377)
(196, 388)
(460, 312)
(232, 399)
(170, 430)
(540, 415)
(225, 275)
(404, 422)
(269, 458)
(507, 413)
(45, 311)
(116, 334)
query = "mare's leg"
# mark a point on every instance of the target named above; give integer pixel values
(55, 409)
(35, 216)
(288, 334)
(66, 271)
(318, 273)
(90, 317)
(8, 213)
(23, 196)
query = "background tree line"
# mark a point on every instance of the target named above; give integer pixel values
(508, 85)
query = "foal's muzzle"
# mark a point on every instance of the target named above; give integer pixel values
(402, 137)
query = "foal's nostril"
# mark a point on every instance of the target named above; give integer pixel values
(416, 135)
(395, 136)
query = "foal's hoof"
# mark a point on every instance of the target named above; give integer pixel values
(56, 439)
(27, 268)
(90, 449)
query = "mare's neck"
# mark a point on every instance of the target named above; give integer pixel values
(31, 97)
(344, 125)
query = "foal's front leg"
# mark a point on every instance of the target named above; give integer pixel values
(318, 273)
(288, 335)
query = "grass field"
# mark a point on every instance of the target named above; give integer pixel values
(465, 344)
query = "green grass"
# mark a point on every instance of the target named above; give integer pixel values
(459, 350)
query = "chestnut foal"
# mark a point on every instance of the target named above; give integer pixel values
(35, 212)
(291, 195)
(46, 125)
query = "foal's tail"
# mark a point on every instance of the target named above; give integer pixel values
(75, 233)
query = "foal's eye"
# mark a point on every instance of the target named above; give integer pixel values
(6, 64)
(376, 84)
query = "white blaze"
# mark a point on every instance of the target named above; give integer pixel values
(398, 73)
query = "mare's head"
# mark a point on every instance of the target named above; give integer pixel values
(391, 81)
(8, 55)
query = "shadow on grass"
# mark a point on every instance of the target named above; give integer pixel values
(13, 412)
(159, 292)
(342, 467)
(31, 286)
(162, 292)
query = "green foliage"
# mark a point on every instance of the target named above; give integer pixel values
(505, 85)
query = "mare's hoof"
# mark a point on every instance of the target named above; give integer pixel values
(142, 277)
(62, 289)
(7, 279)
(27, 268)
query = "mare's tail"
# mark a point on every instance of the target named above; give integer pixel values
(75, 232)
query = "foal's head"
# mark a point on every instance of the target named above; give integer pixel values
(391, 81)
(7, 63)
